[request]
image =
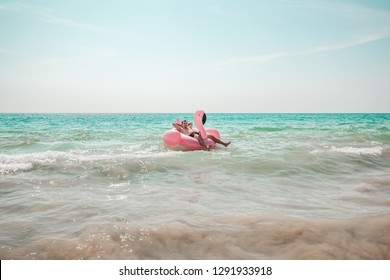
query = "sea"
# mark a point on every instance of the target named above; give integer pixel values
(104, 186)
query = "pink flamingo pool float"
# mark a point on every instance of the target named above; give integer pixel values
(174, 138)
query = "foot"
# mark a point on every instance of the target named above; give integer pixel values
(227, 144)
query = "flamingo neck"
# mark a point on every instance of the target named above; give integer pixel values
(199, 125)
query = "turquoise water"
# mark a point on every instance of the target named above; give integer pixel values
(104, 186)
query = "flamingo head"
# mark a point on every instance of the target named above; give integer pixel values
(201, 115)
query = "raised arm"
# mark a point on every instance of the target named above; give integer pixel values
(179, 127)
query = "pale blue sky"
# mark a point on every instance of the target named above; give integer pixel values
(183, 55)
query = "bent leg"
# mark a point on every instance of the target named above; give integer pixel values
(219, 141)
(202, 143)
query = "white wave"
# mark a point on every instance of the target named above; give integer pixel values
(23, 162)
(119, 185)
(12, 163)
(373, 151)
(7, 168)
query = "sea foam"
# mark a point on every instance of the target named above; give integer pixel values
(373, 151)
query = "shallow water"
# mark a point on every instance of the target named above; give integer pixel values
(91, 186)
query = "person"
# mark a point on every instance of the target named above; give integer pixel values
(187, 129)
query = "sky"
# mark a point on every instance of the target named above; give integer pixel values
(255, 56)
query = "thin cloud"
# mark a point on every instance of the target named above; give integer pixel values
(48, 15)
(364, 39)
(65, 22)
(379, 31)
(261, 58)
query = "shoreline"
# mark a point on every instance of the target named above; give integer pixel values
(222, 237)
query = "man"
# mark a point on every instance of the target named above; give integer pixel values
(187, 129)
